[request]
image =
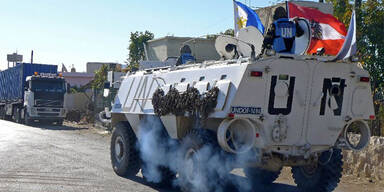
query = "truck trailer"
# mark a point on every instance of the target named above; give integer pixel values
(32, 92)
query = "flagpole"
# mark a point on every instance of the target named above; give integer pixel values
(287, 8)
(234, 17)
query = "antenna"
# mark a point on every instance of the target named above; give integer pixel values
(32, 57)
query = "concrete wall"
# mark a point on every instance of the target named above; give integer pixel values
(92, 67)
(203, 49)
(368, 163)
(78, 79)
(323, 7)
(157, 50)
(77, 101)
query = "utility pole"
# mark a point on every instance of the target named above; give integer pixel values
(32, 57)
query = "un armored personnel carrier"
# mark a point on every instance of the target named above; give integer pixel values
(192, 123)
(276, 110)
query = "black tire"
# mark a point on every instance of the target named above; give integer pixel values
(5, 116)
(127, 162)
(323, 176)
(167, 177)
(258, 176)
(2, 112)
(59, 122)
(27, 119)
(16, 115)
(195, 166)
(20, 115)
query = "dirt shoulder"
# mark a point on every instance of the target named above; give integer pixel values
(350, 182)
(87, 128)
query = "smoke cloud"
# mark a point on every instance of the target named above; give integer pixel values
(157, 150)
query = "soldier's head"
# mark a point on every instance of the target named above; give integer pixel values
(185, 49)
(279, 13)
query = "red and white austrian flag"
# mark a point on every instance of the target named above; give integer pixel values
(327, 31)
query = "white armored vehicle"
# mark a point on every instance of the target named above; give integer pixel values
(256, 113)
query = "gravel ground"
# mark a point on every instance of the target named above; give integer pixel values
(76, 158)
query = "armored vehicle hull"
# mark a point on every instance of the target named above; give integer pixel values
(280, 110)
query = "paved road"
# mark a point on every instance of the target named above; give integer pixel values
(71, 159)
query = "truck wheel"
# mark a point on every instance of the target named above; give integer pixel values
(27, 119)
(167, 176)
(322, 176)
(59, 122)
(197, 149)
(17, 115)
(124, 155)
(258, 176)
(2, 113)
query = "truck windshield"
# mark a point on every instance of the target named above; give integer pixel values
(48, 86)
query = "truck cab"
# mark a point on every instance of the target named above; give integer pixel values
(44, 98)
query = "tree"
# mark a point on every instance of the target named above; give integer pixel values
(342, 10)
(100, 78)
(370, 42)
(136, 48)
(373, 50)
(229, 32)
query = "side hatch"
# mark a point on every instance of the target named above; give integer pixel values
(337, 94)
(287, 88)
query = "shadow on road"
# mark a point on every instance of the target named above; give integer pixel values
(154, 187)
(57, 128)
(229, 187)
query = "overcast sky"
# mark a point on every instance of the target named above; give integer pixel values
(78, 31)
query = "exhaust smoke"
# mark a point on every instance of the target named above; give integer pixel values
(158, 150)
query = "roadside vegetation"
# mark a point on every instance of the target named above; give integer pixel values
(370, 42)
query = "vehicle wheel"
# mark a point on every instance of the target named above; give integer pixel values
(20, 112)
(2, 113)
(27, 119)
(5, 116)
(124, 155)
(59, 123)
(322, 176)
(195, 173)
(16, 115)
(258, 176)
(165, 179)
